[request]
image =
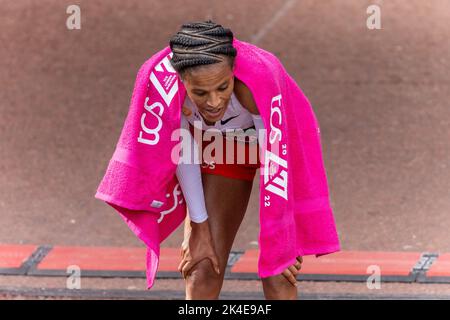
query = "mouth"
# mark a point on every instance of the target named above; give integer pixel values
(213, 112)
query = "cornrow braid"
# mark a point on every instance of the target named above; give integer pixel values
(201, 43)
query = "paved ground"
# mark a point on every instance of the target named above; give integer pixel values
(16, 287)
(98, 288)
(381, 98)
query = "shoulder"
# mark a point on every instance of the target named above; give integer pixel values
(245, 96)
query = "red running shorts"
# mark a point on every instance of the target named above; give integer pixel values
(240, 164)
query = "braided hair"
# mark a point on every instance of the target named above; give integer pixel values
(201, 43)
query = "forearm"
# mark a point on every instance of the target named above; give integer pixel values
(189, 176)
(190, 179)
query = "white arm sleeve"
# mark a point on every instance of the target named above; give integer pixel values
(190, 179)
(259, 126)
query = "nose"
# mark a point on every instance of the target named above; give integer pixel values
(213, 101)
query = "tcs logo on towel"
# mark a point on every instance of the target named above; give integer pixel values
(275, 167)
(164, 81)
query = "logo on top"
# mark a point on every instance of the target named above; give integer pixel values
(275, 167)
(163, 78)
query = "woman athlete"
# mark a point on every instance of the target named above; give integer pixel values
(216, 193)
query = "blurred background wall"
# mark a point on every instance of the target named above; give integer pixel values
(381, 98)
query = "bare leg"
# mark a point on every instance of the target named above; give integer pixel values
(226, 202)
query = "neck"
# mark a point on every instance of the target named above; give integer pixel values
(209, 123)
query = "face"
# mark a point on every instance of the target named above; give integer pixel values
(210, 88)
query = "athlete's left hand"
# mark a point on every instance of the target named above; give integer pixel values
(291, 272)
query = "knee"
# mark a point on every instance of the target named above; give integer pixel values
(279, 288)
(203, 282)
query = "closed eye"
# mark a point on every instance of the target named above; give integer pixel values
(220, 89)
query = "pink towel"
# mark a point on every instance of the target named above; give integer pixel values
(296, 218)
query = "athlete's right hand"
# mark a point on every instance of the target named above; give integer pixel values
(197, 245)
